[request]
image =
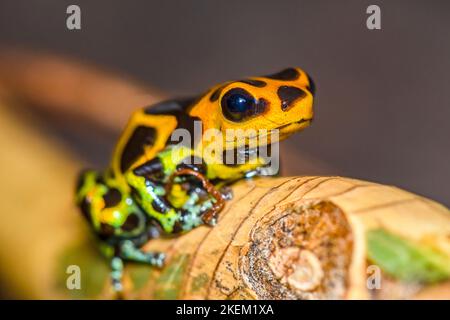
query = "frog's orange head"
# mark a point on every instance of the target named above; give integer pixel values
(282, 101)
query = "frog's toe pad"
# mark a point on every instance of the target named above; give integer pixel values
(212, 222)
(117, 286)
(227, 193)
(158, 259)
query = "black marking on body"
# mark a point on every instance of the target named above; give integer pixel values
(131, 223)
(148, 168)
(81, 179)
(112, 197)
(142, 137)
(100, 180)
(161, 205)
(288, 95)
(178, 225)
(254, 83)
(180, 110)
(106, 230)
(194, 163)
(289, 74)
(85, 208)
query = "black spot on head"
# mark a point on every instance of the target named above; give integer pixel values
(289, 74)
(112, 197)
(131, 223)
(216, 94)
(254, 82)
(141, 137)
(288, 95)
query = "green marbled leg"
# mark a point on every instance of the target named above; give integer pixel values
(117, 273)
(130, 252)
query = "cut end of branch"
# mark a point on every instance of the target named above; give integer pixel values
(301, 253)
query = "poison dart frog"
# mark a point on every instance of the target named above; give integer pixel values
(153, 187)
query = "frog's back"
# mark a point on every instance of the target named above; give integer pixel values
(148, 132)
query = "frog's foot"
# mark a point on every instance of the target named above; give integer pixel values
(227, 192)
(268, 171)
(130, 252)
(210, 216)
(251, 174)
(261, 171)
(157, 259)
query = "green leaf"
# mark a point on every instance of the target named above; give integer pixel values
(406, 260)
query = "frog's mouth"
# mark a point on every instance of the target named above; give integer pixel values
(284, 132)
(294, 126)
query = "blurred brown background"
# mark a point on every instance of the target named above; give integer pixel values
(382, 104)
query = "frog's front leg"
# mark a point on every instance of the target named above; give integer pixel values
(209, 215)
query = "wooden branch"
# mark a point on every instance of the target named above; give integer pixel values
(295, 238)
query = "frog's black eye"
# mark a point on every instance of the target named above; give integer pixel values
(238, 104)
